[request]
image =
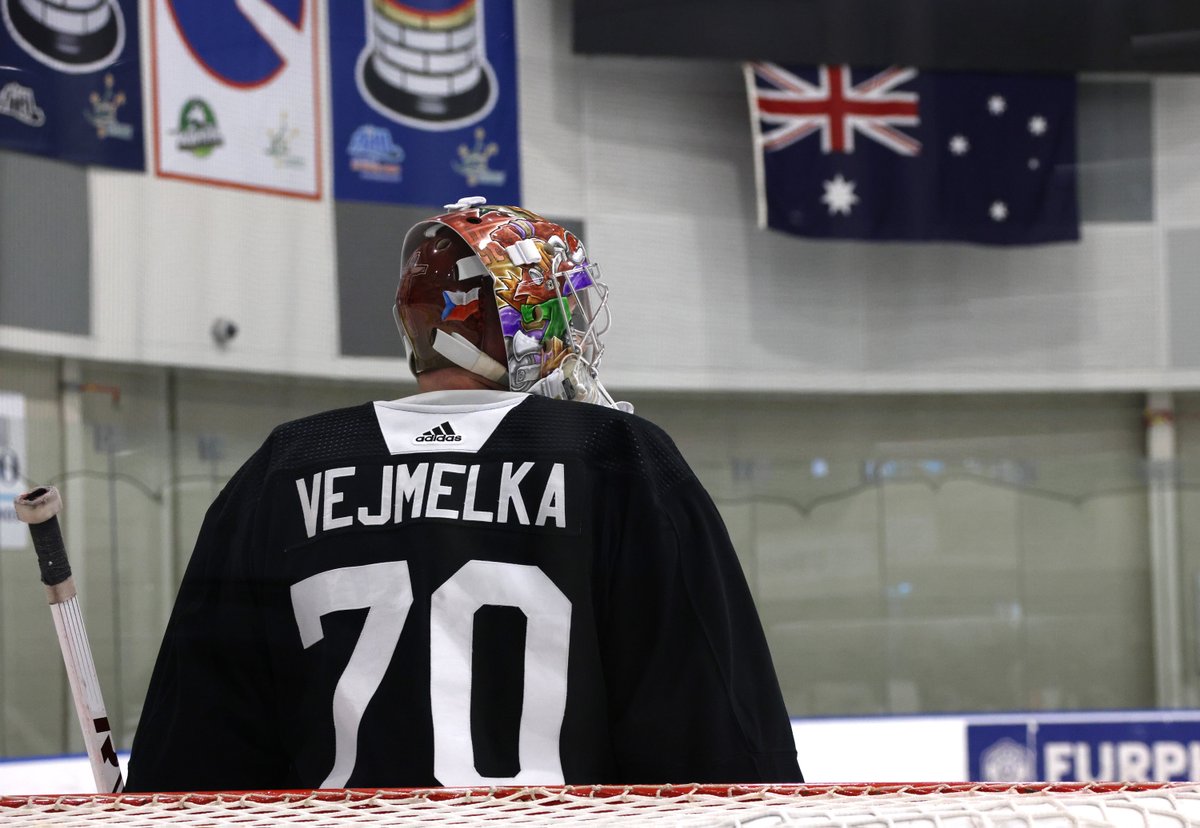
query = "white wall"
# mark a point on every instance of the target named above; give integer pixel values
(655, 156)
(903, 749)
(877, 750)
(50, 775)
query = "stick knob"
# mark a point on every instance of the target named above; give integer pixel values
(39, 508)
(39, 505)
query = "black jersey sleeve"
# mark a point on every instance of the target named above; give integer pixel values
(206, 723)
(693, 692)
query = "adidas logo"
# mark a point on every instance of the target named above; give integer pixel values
(441, 434)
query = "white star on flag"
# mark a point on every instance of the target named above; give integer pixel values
(839, 195)
(998, 211)
(997, 104)
(1037, 125)
(959, 145)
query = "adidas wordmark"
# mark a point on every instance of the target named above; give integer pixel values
(441, 434)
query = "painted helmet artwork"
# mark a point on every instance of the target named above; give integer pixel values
(508, 295)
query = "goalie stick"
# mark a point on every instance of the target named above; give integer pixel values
(39, 508)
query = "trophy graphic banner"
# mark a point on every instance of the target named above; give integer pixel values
(424, 99)
(70, 80)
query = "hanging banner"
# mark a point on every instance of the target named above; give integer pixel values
(236, 94)
(70, 81)
(13, 533)
(424, 101)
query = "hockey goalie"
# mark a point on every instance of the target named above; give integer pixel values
(508, 578)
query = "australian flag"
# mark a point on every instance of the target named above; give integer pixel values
(906, 155)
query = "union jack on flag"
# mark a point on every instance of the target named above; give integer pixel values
(902, 154)
(837, 107)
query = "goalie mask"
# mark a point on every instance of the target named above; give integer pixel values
(507, 295)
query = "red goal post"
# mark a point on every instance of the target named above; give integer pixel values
(968, 805)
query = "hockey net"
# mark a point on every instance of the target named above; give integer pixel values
(761, 806)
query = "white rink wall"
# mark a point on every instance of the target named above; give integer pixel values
(832, 750)
(50, 775)
(1130, 746)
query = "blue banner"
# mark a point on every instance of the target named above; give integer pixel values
(898, 154)
(1164, 749)
(424, 96)
(70, 81)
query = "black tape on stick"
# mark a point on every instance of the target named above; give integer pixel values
(51, 553)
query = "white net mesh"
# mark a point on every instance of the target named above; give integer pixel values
(759, 806)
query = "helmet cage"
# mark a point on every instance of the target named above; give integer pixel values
(583, 299)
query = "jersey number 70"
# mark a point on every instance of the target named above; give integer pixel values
(385, 590)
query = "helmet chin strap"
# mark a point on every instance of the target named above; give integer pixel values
(465, 355)
(456, 349)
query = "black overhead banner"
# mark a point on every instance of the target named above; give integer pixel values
(985, 35)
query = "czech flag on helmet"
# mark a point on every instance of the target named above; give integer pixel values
(460, 304)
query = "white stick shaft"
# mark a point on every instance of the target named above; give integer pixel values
(85, 690)
(39, 508)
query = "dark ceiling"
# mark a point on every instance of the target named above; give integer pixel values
(987, 35)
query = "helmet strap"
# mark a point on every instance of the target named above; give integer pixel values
(462, 353)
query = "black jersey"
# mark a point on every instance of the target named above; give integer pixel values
(463, 588)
